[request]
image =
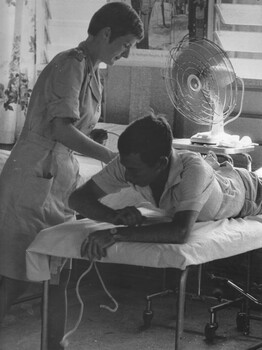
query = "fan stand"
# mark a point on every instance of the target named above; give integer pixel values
(216, 136)
(204, 138)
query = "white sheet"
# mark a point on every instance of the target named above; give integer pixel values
(3, 157)
(209, 241)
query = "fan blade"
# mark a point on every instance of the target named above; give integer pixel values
(201, 81)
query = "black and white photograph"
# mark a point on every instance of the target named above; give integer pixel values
(130, 174)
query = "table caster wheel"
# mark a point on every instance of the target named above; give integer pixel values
(242, 323)
(147, 317)
(210, 331)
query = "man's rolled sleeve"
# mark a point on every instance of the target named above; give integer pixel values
(111, 179)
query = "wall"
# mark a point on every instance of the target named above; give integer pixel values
(135, 85)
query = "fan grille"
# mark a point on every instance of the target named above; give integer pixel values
(201, 81)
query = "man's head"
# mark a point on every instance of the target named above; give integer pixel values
(145, 147)
(120, 18)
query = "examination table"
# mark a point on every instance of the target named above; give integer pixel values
(209, 241)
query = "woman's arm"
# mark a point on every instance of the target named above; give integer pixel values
(63, 131)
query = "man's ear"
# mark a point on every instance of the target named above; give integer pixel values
(163, 162)
(107, 33)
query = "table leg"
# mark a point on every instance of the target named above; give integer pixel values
(181, 308)
(44, 316)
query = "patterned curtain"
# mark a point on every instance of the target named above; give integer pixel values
(17, 64)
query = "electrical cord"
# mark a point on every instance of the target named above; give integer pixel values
(64, 342)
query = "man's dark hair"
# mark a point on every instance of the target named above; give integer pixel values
(120, 17)
(150, 137)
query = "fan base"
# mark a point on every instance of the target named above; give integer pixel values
(221, 139)
(204, 138)
(202, 141)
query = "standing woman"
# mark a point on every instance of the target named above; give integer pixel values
(42, 171)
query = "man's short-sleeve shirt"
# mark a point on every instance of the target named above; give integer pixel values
(192, 185)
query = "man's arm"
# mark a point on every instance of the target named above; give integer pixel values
(85, 201)
(175, 232)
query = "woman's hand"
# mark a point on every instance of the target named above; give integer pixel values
(95, 245)
(99, 136)
(112, 155)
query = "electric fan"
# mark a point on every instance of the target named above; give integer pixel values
(203, 87)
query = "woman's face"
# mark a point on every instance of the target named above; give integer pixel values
(118, 48)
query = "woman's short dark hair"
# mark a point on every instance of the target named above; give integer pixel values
(120, 17)
(150, 137)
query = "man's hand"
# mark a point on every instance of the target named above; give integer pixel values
(94, 246)
(128, 216)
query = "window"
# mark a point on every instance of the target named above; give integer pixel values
(237, 27)
(68, 23)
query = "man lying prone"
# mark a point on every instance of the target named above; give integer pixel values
(181, 183)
